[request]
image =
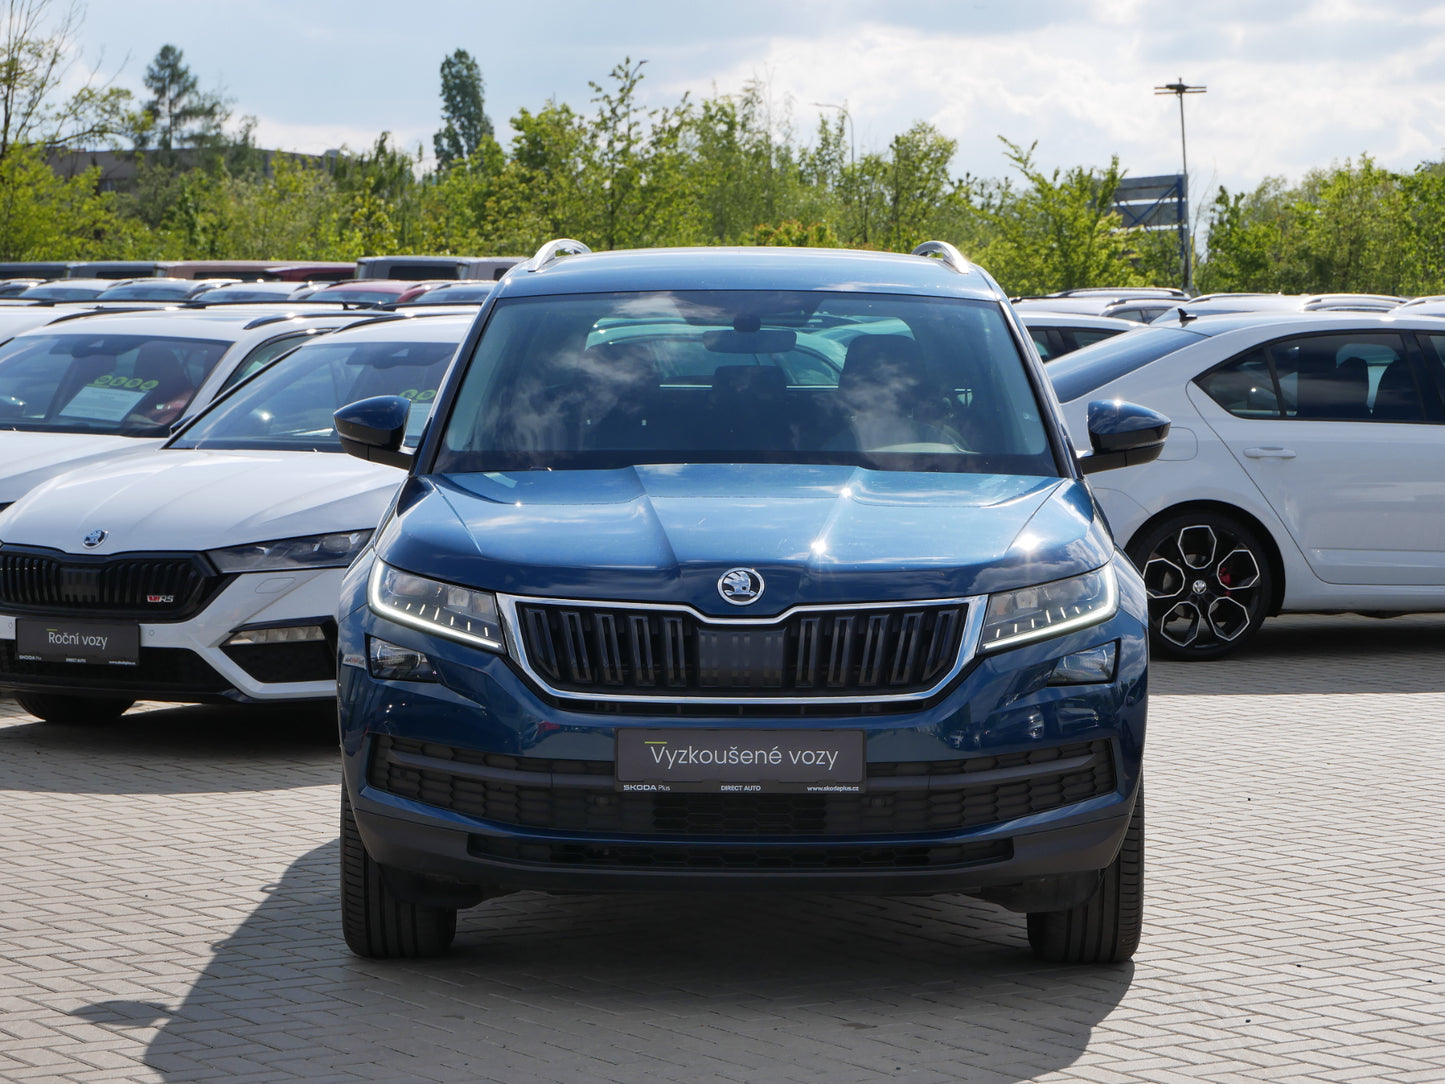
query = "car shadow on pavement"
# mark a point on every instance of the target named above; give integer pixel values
(171, 750)
(1296, 654)
(664, 987)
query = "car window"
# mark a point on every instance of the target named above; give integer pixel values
(262, 356)
(1245, 387)
(1042, 342)
(132, 385)
(1088, 336)
(1086, 371)
(1435, 366)
(1336, 377)
(290, 405)
(608, 380)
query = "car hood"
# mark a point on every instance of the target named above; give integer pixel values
(174, 500)
(816, 534)
(27, 459)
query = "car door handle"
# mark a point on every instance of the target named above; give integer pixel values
(1269, 453)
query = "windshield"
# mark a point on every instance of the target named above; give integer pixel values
(1088, 369)
(289, 406)
(60, 293)
(361, 294)
(887, 382)
(150, 291)
(131, 385)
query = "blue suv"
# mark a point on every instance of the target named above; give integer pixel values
(744, 568)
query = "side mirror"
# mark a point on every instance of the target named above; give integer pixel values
(1123, 435)
(373, 429)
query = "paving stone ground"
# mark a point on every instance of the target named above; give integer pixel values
(168, 913)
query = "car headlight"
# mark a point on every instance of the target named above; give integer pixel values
(313, 551)
(459, 613)
(1049, 609)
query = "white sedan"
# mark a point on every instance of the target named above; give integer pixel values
(1305, 470)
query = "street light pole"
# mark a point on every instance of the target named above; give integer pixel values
(1179, 89)
(852, 148)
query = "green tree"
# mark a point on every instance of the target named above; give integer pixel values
(1059, 232)
(916, 186)
(1247, 240)
(37, 56)
(380, 205)
(465, 124)
(179, 114)
(46, 217)
(633, 172)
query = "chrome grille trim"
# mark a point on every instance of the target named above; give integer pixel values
(669, 671)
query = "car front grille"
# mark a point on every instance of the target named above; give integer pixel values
(643, 856)
(163, 672)
(275, 663)
(147, 587)
(902, 798)
(602, 651)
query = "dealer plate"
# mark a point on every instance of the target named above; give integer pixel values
(730, 761)
(91, 642)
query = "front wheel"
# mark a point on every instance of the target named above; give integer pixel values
(73, 710)
(1209, 584)
(376, 923)
(1105, 928)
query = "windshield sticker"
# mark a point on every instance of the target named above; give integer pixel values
(102, 404)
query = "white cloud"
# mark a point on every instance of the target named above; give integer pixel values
(1288, 90)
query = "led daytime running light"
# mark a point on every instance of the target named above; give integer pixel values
(1022, 616)
(459, 613)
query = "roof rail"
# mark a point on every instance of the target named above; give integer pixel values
(555, 250)
(947, 253)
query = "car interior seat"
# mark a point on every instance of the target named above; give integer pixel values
(173, 388)
(1397, 399)
(887, 395)
(1333, 392)
(747, 407)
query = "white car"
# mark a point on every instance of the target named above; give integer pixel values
(1305, 470)
(83, 390)
(209, 570)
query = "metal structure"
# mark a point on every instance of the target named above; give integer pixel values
(1179, 88)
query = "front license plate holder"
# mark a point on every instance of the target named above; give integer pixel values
(736, 761)
(92, 643)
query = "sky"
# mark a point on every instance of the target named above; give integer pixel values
(1291, 84)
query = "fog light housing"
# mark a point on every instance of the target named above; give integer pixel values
(391, 662)
(289, 634)
(1093, 666)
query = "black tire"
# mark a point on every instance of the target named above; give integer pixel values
(1105, 928)
(73, 710)
(376, 923)
(1209, 581)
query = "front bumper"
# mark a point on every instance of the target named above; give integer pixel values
(481, 780)
(186, 661)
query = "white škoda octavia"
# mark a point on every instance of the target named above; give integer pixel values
(1305, 470)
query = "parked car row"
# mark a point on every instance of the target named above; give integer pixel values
(489, 268)
(371, 292)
